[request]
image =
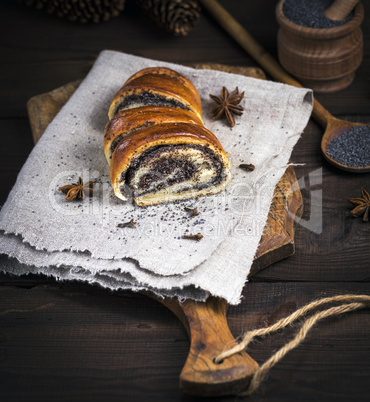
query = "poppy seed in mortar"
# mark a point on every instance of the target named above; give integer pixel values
(310, 13)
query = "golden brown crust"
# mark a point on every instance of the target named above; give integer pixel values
(164, 71)
(170, 86)
(131, 120)
(163, 134)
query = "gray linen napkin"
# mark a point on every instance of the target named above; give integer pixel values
(43, 233)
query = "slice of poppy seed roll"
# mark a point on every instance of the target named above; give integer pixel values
(157, 87)
(168, 162)
(131, 120)
(156, 144)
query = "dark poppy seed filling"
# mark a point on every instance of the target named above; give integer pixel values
(177, 167)
(149, 99)
(164, 167)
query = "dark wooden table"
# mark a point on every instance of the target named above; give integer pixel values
(74, 342)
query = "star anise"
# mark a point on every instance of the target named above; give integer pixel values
(228, 105)
(130, 224)
(77, 190)
(362, 205)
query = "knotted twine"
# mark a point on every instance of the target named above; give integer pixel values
(350, 303)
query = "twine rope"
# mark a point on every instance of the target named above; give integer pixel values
(352, 303)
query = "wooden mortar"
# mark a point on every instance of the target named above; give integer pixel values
(324, 59)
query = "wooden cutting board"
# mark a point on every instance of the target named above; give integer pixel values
(206, 322)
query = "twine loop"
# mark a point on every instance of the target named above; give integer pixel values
(349, 302)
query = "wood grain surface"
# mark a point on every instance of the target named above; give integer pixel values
(76, 342)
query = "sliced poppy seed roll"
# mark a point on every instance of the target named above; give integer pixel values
(168, 162)
(160, 153)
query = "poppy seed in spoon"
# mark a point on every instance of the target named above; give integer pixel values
(352, 147)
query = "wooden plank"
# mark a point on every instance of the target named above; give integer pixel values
(77, 342)
(43, 108)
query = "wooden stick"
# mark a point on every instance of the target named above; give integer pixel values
(248, 43)
(340, 9)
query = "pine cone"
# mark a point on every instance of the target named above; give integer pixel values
(79, 10)
(175, 16)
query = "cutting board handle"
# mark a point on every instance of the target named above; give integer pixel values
(209, 335)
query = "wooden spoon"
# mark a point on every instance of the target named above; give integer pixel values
(333, 127)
